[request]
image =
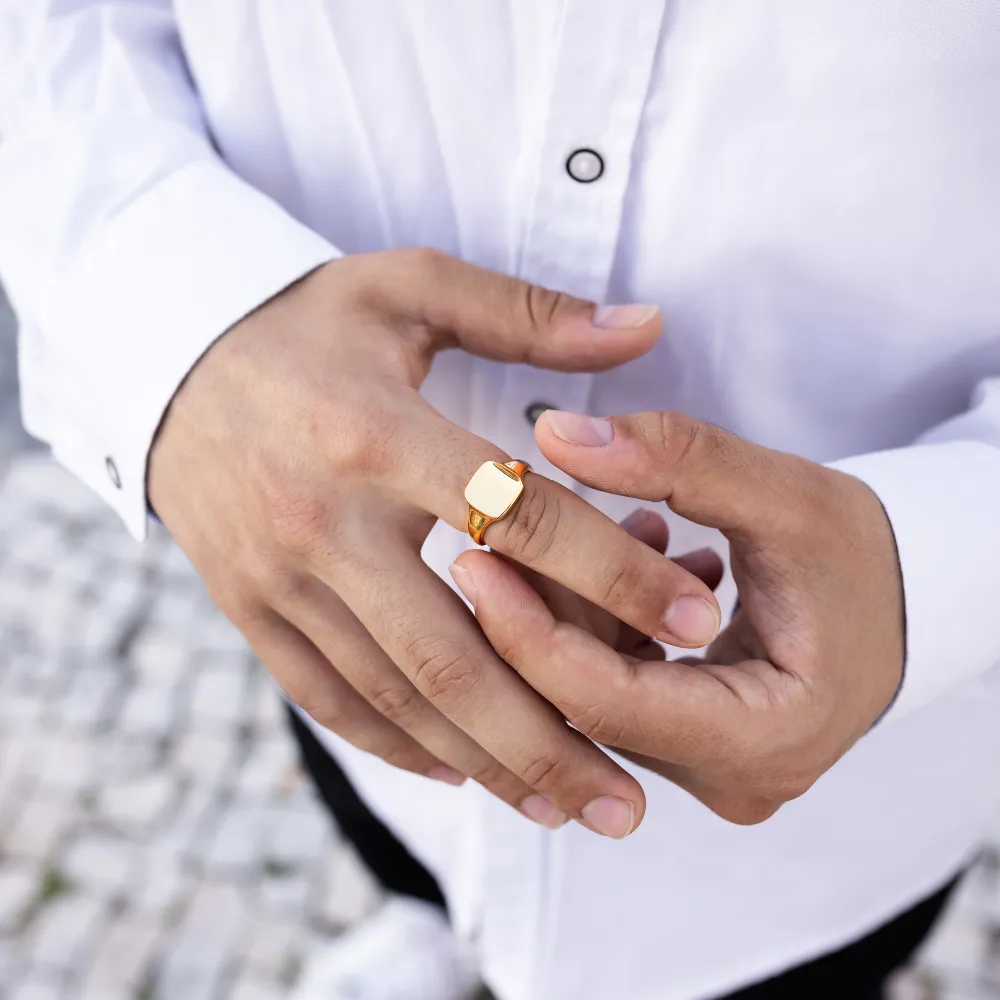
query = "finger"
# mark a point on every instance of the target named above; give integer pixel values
(681, 714)
(426, 630)
(574, 610)
(451, 303)
(649, 528)
(556, 533)
(703, 472)
(343, 640)
(308, 679)
(706, 564)
(568, 606)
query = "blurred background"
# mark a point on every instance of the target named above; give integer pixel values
(157, 841)
(156, 837)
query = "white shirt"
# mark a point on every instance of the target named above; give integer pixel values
(810, 189)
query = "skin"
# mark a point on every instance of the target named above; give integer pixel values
(300, 470)
(811, 661)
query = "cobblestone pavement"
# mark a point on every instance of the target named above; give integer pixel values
(156, 837)
(157, 841)
(12, 437)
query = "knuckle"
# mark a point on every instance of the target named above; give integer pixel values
(402, 268)
(542, 771)
(533, 528)
(620, 584)
(326, 709)
(444, 671)
(400, 295)
(397, 702)
(490, 774)
(676, 437)
(427, 262)
(540, 305)
(303, 516)
(240, 601)
(245, 611)
(401, 280)
(600, 723)
(397, 753)
(357, 437)
(297, 518)
(276, 583)
(393, 294)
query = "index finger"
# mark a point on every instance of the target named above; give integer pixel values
(558, 534)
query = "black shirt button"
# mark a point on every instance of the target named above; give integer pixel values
(585, 166)
(535, 410)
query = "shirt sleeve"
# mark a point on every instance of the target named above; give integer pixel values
(942, 496)
(127, 246)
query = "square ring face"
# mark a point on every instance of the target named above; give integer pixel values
(493, 490)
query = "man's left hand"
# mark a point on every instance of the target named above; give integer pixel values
(811, 660)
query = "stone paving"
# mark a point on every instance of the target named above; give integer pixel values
(157, 841)
(156, 837)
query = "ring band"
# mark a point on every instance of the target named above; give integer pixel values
(492, 493)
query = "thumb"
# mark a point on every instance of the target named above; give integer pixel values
(705, 474)
(493, 315)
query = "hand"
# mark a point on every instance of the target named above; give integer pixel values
(808, 665)
(301, 470)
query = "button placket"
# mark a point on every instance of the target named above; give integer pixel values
(572, 230)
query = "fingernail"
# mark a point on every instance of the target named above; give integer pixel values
(610, 816)
(464, 582)
(539, 809)
(623, 317)
(446, 774)
(591, 432)
(692, 620)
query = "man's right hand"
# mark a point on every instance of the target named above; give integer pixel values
(301, 470)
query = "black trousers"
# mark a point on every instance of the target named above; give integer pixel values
(857, 972)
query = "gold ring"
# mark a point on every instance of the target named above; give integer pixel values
(493, 493)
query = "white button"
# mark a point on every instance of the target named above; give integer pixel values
(585, 166)
(109, 464)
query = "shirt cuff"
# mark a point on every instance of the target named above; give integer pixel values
(941, 500)
(148, 295)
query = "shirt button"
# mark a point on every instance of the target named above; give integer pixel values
(535, 410)
(585, 166)
(109, 464)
